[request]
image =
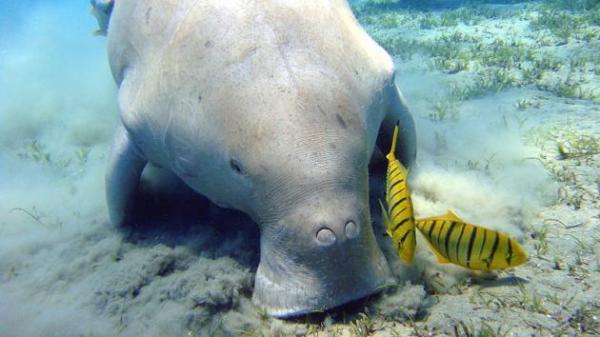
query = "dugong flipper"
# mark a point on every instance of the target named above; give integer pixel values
(397, 112)
(124, 168)
(269, 107)
(101, 9)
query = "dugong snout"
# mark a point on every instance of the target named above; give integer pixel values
(321, 255)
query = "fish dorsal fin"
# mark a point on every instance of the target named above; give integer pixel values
(452, 216)
(391, 155)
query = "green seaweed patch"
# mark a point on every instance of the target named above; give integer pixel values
(570, 88)
(572, 5)
(35, 151)
(562, 24)
(443, 110)
(506, 61)
(468, 329)
(487, 81)
(578, 146)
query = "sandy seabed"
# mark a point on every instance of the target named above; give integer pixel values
(500, 146)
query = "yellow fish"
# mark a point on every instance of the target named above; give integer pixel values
(470, 246)
(398, 216)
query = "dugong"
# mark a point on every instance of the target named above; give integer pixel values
(271, 107)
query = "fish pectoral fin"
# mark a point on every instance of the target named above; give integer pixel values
(386, 219)
(384, 215)
(483, 275)
(440, 258)
(488, 263)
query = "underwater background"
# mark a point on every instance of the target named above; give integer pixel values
(506, 99)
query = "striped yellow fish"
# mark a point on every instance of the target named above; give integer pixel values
(470, 246)
(398, 216)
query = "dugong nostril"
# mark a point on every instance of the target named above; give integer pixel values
(351, 229)
(325, 236)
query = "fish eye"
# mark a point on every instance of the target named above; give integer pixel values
(236, 166)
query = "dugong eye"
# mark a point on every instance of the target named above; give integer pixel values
(236, 166)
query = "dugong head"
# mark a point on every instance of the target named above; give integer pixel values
(301, 172)
(317, 244)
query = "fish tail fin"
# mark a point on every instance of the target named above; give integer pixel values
(391, 155)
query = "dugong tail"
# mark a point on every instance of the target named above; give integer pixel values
(101, 9)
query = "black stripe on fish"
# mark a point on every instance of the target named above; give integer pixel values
(510, 251)
(470, 249)
(462, 230)
(433, 224)
(448, 235)
(394, 175)
(494, 248)
(397, 192)
(405, 236)
(483, 243)
(423, 226)
(399, 224)
(396, 204)
(399, 212)
(394, 184)
(439, 236)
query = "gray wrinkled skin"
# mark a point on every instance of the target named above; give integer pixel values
(271, 107)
